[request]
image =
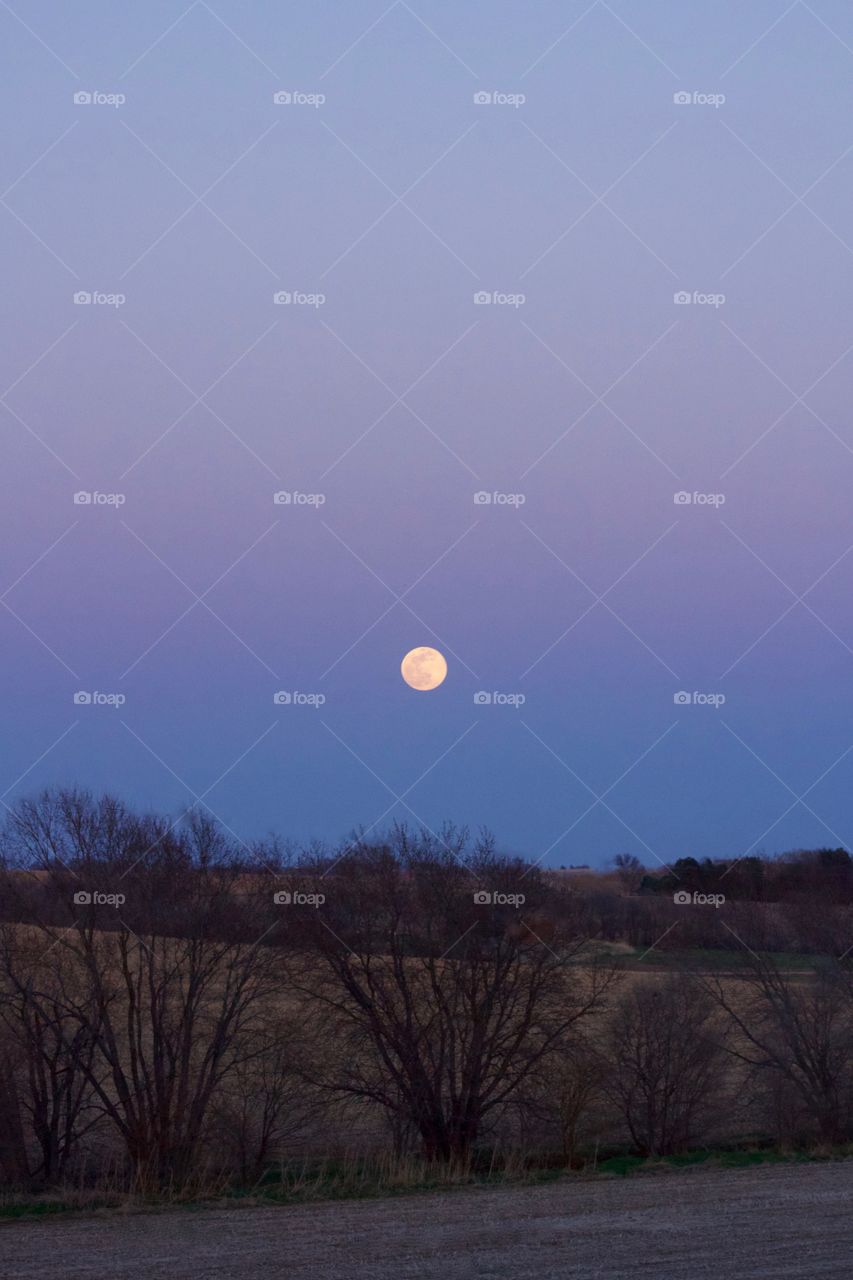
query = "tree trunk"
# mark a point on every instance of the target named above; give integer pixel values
(13, 1151)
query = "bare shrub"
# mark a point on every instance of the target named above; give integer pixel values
(665, 1064)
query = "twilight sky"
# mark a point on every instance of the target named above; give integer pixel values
(581, 198)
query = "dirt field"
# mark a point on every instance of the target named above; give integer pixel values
(792, 1222)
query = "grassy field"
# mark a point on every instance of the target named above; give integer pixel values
(713, 960)
(315, 1180)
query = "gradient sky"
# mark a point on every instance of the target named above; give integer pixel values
(597, 399)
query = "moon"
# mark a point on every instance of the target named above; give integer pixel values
(423, 668)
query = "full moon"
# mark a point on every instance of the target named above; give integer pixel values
(423, 668)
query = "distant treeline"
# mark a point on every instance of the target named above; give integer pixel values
(814, 874)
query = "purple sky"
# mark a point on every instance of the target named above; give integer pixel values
(582, 388)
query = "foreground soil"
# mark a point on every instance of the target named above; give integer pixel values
(784, 1221)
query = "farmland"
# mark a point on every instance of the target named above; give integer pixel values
(790, 1220)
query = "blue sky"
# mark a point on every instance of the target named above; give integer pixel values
(581, 199)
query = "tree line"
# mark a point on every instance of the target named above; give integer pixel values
(174, 1004)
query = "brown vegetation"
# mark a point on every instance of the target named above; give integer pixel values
(172, 1011)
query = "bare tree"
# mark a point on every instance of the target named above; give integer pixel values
(14, 1161)
(630, 871)
(442, 979)
(577, 1088)
(263, 1104)
(665, 1063)
(797, 1028)
(53, 1090)
(158, 964)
